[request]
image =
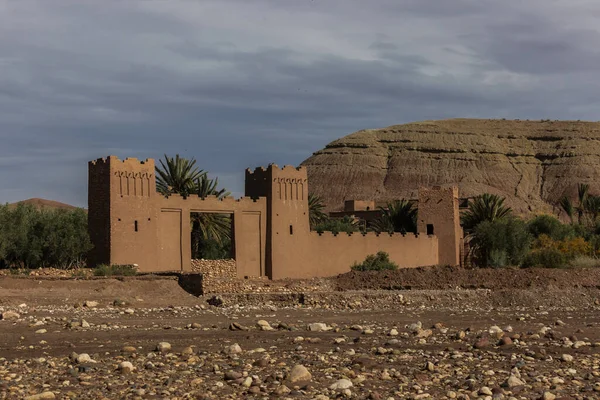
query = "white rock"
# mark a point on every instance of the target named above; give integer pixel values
(299, 373)
(163, 346)
(264, 325)
(513, 381)
(83, 358)
(341, 385)
(318, 327)
(494, 330)
(126, 367)
(233, 349)
(567, 358)
(393, 332)
(10, 315)
(41, 396)
(90, 303)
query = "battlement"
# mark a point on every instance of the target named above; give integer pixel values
(259, 171)
(396, 235)
(113, 160)
(213, 198)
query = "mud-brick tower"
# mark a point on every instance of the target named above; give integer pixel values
(288, 228)
(439, 215)
(122, 217)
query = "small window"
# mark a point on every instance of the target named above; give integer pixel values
(135, 225)
(430, 229)
(291, 230)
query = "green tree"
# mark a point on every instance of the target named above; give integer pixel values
(499, 243)
(30, 237)
(316, 215)
(398, 216)
(549, 225)
(485, 207)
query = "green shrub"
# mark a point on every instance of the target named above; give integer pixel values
(115, 270)
(336, 225)
(376, 262)
(32, 238)
(550, 226)
(500, 243)
(545, 258)
(584, 262)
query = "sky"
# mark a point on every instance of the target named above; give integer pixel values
(245, 83)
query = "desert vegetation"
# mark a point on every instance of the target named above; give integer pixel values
(498, 238)
(32, 237)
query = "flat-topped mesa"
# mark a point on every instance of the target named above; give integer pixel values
(531, 163)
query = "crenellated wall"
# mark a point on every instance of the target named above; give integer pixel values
(328, 254)
(130, 223)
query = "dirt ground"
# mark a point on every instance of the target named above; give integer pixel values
(492, 335)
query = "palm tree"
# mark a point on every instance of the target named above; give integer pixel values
(316, 215)
(180, 176)
(567, 205)
(398, 216)
(210, 226)
(592, 207)
(584, 205)
(485, 207)
(177, 176)
(582, 195)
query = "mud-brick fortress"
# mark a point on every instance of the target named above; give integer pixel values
(131, 223)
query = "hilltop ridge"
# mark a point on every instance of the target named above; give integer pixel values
(531, 163)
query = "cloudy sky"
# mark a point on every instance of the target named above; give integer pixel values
(242, 83)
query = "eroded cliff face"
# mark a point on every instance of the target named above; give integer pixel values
(531, 163)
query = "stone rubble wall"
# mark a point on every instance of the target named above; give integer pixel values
(220, 276)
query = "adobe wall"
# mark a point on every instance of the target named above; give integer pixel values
(327, 254)
(131, 223)
(249, 229)
(439, 206)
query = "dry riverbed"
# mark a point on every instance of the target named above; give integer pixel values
(123, 340)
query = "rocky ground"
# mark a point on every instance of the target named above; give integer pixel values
(148, 339)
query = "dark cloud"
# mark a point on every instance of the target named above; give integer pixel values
(239, 84)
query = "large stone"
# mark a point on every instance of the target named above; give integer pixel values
(341, 384)
(525, 161)
(299, 373)
(10, 315)
(41, 396)
(318, 327)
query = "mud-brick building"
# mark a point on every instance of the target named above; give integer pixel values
(131, 223)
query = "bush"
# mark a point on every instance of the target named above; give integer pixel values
(376, 262)
(500, 243)
(115, 270)
(32, 238)
(584, 262)
(550, 226)
(545, 258)
(569, 247)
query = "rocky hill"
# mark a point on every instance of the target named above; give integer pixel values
(532, 163)
(43, 203)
